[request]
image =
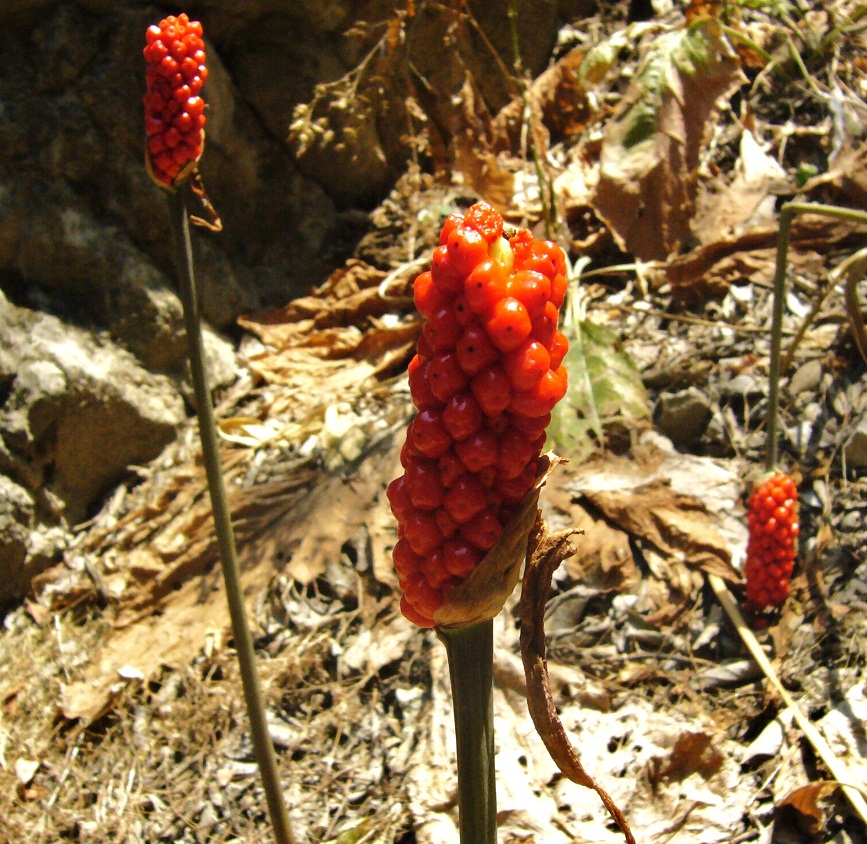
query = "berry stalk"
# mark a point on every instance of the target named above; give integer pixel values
(262, 743)
(470, 653)
(175, 74)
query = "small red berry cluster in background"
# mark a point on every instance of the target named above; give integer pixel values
(487, 374)
(772, 517)
(174, 111)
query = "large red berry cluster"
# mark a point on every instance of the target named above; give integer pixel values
(772, 517)
(487, 374)
(174, 111)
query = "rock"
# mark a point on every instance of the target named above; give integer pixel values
(806, 377)
(855, 449)
(221, 361)
(684, 416)
(16, 518)
(78, 411)
(743, 386)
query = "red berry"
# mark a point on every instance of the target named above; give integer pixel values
(413, 615)
(399, 499)
(462, 416)
(532, 290)
(427, 296)
(463, 314)
(442, 330)
(459, 557)
(422, 533)
(466, 498)
(545, 325)
(423, 597)
(515, 451)
(485, 220)
(478, 451)
(428, 434)
(423, 485)
(522, 246)
(406, 562)
(474, 350)
(508, 324)
(449, 225)
(445, 275)
(559, 286)
(492, 390)
(451, 468)
(513, 491)
(446, 376)
(466, 248)
(558, 348)
(483, 531)
(447, 525)
(486, 285)
(526, 365)
(531, 426)
(541, 398)
(434, 570)
(546, 249)
(420, 387)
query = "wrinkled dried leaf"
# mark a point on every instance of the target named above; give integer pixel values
(545, 553)
(650, 151)
(807, 799)
(744, 202)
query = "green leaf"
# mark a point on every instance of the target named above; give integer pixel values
(605, 394)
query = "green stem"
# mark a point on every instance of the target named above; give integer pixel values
(262, 745)
(787, 214)
(470, 653)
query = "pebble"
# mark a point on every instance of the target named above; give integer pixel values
(856, 449)
(683, 416)
(806, 377)
(741, 386)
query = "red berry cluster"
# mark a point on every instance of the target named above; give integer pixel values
(487, 374)
(174, 111)
(773, 532)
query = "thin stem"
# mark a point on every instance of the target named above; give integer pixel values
(262, 745)
(470, 653)
(787, 214)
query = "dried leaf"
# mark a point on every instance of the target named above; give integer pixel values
(545, 553)
(650, 152)
(806, 800)
(482, 595)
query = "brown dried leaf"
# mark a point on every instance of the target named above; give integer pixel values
(676, 525)
(650, 150)
(694, 275)
(545, 553)
(806, 801)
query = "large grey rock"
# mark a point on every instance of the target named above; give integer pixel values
(78, 410)
(16, 521)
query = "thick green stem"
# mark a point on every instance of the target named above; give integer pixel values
(787, 214)
(262, 745)
(470, 653)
